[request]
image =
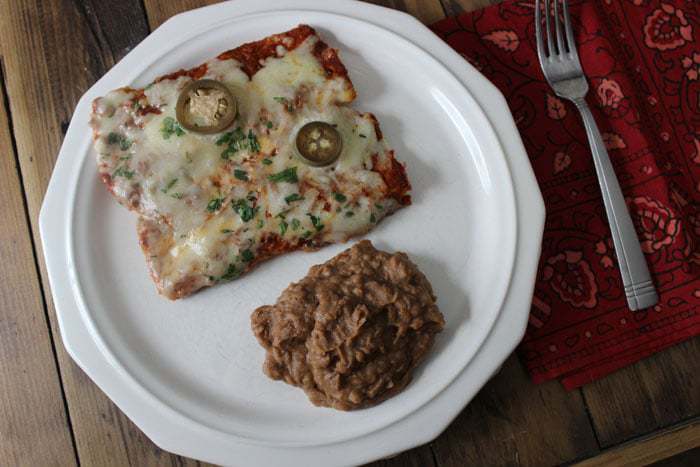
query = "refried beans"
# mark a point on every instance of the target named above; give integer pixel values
(351, 332)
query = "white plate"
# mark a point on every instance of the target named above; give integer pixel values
(189, 372)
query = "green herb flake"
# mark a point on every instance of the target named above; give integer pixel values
(269, 125)
(253, 143)
(215, 204)
(237, 140)
(283, 227)
(261, 223)
(170, 184)
(247, 255)
(287, 175)
(233, 140)
(243, 209)
(266, 161)
(306, 234)
(241, 174)
(362, 136)
(296, 224)
(171, 127)
(378, 206)
(349, 214)
(372, 218)
(339, 197)
(316, 222)
(231, 273)
(116, 138)
(177, 195)
(122, 171)
(293, 197)
(226, 231)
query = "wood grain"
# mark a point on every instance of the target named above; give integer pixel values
(427, 11)
(651, 449)
(514, 422)
(158, 11)
(32, 411)
(656, 392)
(59, 49)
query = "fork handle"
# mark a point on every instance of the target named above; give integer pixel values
(636, 279)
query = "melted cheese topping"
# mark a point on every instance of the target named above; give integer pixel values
(209, 201)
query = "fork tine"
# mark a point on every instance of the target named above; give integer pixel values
(569, 30)
(538, 33)
(557, 27)
(550, 42)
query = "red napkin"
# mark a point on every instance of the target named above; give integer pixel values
(642, 60)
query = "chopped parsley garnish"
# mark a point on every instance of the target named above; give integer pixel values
(287, 175)
(316, 222)
(116, 138)
(253, 143)
(177, 195)
(269, 125)
(372, 218)
(247, 256)
(349, 214)
(261, 223)
(296, 224)
(362, 136)
(266, 161)
(122, 171)
(379, 206)
(339, 197)
(171, 127)
(243, 209)
(231, 273)
(306, 234)
(283, 227)
(289, 105)
(215, 204)
(170, 184)
(237, 140)
(293, 197)
(241, 174)
(234, 140)
(226, 231)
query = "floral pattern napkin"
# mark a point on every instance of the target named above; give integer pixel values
(642, 60)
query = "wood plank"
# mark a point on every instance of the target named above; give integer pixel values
(158, 11)
(455, 7)
(32, 411)
(428, 11)
(651, 449)
(55, 51)
(656, 392)
(513, 422)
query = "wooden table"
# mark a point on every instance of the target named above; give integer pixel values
(51, 51)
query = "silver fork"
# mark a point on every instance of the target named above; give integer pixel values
(562, 68)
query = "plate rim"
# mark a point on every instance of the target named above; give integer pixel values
(366, 13)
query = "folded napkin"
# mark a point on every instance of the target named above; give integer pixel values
(642, 60)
